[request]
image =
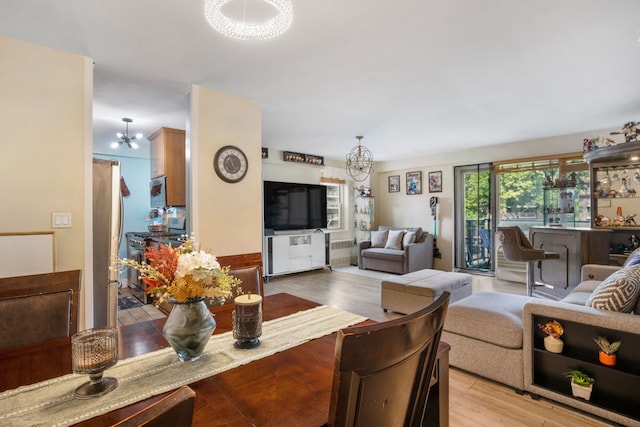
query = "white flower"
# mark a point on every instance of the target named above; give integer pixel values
(194, 262)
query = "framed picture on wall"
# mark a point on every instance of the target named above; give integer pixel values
(435, 182)
(414, 182)
(394, 183)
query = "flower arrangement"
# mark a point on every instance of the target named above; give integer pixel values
(183, 274)
(553, 329)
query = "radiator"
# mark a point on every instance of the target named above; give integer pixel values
(341, 252)
(512, 271)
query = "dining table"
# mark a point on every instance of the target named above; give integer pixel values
(288, 388)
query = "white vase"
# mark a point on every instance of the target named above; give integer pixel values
(553, 345)
(581, 391)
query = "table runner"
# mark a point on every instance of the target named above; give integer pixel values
(52, 403)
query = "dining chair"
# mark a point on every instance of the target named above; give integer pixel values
(516, 247)
(38, 308)
(382, 371)
(251, 282)
(174, 410)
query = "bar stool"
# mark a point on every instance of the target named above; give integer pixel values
(516, 247)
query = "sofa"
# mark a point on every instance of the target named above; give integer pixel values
(397, 250)
(494, 334)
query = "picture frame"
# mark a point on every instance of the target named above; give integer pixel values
(394, 184)
(435, 182)
(414, 183)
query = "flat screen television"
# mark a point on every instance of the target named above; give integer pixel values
(293, 206)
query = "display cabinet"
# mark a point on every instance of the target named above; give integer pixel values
(615, 181)
(362, 221)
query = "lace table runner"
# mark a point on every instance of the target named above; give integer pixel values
(52, 403)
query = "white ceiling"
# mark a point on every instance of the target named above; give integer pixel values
(415, 77)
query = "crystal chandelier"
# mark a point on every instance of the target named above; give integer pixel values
(248, 31)
(359, 162)
(124, 138)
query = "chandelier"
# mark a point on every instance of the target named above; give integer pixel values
(124, 138)
(359, 162)
(249, 31)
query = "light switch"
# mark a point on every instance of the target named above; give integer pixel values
(61, 219)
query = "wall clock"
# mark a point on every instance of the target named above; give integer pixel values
(230, 164)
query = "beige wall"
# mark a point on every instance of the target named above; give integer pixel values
(404, 210)
(226, 218)
(43, 116)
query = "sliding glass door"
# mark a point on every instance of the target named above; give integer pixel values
(474, 208)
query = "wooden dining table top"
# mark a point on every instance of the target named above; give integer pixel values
(292, 387)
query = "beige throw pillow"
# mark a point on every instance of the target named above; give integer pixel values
(394, 240)
(379, 238)
(409, 238)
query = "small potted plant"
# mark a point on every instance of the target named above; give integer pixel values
(581, 383)
(552, 342)
(607, 353)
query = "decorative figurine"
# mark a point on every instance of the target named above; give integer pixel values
(630, 131)
(630, 220)
(635, 241)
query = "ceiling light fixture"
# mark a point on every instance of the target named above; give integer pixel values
(124, 138)
(359, 162)
(249, 31)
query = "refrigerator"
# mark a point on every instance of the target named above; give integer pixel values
(107, 233)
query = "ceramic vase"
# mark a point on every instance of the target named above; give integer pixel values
(581, 391)
(553, 345)
(188, 329)
(607, 359)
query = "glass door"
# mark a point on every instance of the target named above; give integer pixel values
(473, 192)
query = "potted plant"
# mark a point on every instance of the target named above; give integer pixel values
(552, 342)
(607, 353)
(581, 383)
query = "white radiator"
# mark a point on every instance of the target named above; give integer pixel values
(341, 252)
(512, 271)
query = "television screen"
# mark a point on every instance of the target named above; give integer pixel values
(292, 206)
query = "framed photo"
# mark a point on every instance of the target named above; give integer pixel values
(435, 182)
(414, 182)
(394, 183)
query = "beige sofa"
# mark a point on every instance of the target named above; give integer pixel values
(492, 334)
(400, 259)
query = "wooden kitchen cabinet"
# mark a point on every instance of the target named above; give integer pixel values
(168, 159)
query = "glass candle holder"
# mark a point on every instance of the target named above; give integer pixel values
(93, 351)
(247, 321)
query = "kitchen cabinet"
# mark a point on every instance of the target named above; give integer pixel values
(168, 159)
(615, 179)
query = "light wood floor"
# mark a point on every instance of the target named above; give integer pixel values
(474, 402)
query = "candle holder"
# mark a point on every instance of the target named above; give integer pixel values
(93, 351)
(247, 321)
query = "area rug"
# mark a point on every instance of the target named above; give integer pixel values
(126, 302)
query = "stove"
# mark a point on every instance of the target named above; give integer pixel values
(137, 242)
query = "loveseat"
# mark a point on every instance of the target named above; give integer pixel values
(495, 335)
(398, 250)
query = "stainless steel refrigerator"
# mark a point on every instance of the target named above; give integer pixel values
(107, 232)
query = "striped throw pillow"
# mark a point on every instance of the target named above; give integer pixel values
(618, 292)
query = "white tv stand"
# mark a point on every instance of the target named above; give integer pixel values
(287, 252)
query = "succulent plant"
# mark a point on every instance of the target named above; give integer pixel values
(580, 377)
(606, 346)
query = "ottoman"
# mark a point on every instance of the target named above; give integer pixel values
(485, 333)
(412, 291)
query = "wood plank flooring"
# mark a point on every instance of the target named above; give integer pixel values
(474, 402)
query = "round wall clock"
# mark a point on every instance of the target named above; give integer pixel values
(230, 164)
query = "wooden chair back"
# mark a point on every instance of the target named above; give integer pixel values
(251, 282)
(175, 410)
(38, 308)
(382, 371)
